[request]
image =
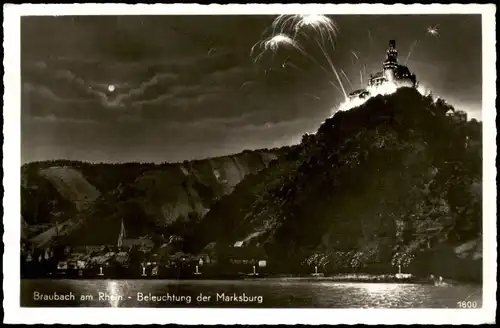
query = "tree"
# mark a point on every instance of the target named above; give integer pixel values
(402, 259)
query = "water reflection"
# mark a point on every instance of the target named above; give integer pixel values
(273, 293)
(373, 288)
(113, 293)
(385, 295)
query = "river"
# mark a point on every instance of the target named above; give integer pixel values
(258, 293)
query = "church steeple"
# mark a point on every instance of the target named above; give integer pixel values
(122, 235)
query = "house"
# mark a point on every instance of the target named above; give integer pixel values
(62, 265)
(143, 244)
(89, 249)
(78, 260)
(247, 255)
(204, 259)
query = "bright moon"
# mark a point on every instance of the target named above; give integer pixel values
(111, 88)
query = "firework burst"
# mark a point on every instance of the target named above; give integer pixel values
(324, 31)
(273, 44)
(302, 24)
(433, 31)
(322, 25)
(284, 23)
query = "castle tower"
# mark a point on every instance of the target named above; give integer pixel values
(392, 53)
(391, 61)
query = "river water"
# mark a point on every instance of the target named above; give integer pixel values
(258, 293)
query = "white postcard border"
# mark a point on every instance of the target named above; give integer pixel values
(12, 156)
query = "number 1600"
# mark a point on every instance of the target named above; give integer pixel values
(467, 304)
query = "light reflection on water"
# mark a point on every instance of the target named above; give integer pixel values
(274, 293)
(114, 293)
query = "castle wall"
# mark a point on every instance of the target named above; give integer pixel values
(405, 82)
(389, 75)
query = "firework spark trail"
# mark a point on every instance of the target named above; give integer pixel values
(411, 50)
(293, 66)
(311, 95)
(212, 50)
(327, 31)
(370, 39)
(346, 77)
(361, 66)
(430, 31)
(334, 70)
(335, 86)
(324, 26)
(355, 55)
(284, 22)
(320, 24)
(246, 83)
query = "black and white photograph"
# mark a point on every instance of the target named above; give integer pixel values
(250, 157)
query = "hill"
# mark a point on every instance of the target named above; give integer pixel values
(393, 182)
(71, 185)
(89, 201)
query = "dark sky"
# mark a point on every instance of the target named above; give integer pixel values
(186, 87)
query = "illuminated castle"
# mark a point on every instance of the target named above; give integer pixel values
(392, 76)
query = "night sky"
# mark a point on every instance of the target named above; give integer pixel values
(171, 88)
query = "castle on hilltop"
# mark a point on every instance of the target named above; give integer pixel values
(393, 74)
